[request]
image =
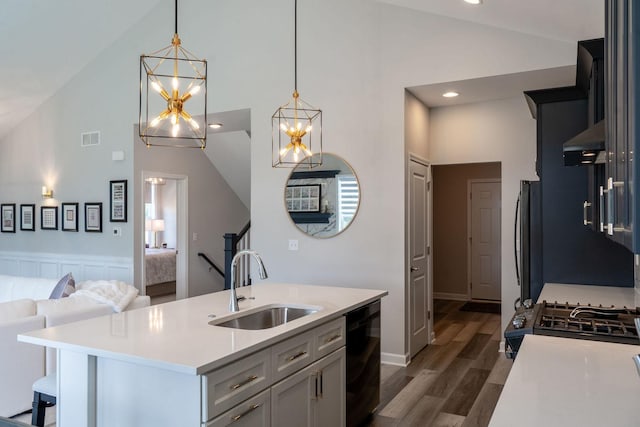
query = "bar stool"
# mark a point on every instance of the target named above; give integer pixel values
(44, 396)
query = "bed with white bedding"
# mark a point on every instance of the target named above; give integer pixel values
(160, 271)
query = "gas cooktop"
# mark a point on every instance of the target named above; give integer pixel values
(611, 324)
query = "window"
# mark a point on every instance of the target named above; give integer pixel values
(348, 196)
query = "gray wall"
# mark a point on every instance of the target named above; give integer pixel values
(355, 60)
(213, 209)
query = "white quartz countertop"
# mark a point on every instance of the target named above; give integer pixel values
(176, 335)
(587, 294)
(570, 382)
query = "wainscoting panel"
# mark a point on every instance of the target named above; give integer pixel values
(83, 267)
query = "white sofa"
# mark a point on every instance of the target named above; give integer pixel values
(25, 306)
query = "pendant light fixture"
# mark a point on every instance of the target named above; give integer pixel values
(296, 126)
(173, 96)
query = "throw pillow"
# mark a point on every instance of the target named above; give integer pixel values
(65, 287)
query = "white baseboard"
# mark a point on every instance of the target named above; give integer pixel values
(447, 295)
(83, 267)
(394, 359)
(501, 347)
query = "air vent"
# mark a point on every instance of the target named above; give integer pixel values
(89, 138)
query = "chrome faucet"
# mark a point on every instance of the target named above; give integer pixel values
(233, 302)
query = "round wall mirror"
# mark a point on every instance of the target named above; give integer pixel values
(322, 201)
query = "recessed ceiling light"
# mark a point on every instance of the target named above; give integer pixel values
(450, 94)
(473, 1)
(215, 125)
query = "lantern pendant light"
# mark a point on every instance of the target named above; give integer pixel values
(296, 126)
(173, 97)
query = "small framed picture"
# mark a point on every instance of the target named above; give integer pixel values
(70, 217)
(28, 217)
(303, 198)
(8, 218)
(118, 201)
(93, 217)
(48, 217)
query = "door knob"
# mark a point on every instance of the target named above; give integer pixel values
(414, 269)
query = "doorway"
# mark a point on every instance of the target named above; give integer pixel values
(164, 262)
(451, 225)
(484, 216)
(419, 293)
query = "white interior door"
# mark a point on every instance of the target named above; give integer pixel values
(485, 240)
(419, 256)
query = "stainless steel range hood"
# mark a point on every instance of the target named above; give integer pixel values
(586, 148)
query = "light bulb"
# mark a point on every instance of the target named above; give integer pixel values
(296, 150)
(174, 83)
(283, 127)
(308, 152)
(194, 124)
(174, 119)
(175, 130)
(298, 125)
(283, 151)
(155, 122)
(295, 157)
(156, 86)
(308, 129)
(195, 90)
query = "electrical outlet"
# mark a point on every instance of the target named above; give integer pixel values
(293, 245)
(117, 231)
(195, 236)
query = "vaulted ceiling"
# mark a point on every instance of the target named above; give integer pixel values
(45, 43)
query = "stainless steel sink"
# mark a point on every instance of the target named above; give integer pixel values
(265, 318)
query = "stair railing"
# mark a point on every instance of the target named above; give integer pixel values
(232, 244)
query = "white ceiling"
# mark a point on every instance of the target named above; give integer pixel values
(494, 87)
(569, 20)
(45, 43)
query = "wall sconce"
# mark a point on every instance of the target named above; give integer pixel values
(47, 193)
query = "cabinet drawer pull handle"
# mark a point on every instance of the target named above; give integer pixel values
(296, 356)
(243, 383)
(333, 338)
(248, 411)
(585, 213)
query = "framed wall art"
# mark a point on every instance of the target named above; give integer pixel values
(93, 217)
(28, 217)
(48, 217)
(8, 214)
(303, 198)
(118, 208)
(70, 217)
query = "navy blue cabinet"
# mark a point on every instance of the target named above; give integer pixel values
(622, 75)
(565, 251)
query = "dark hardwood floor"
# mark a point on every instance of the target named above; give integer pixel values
(456, 381)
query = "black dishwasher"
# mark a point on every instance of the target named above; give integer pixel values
(363, 363)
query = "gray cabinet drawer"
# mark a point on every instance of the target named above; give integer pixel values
(226, 387)
(253, 412)
(329, 337)
(292, 355)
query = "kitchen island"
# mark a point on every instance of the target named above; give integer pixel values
(166, 365)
